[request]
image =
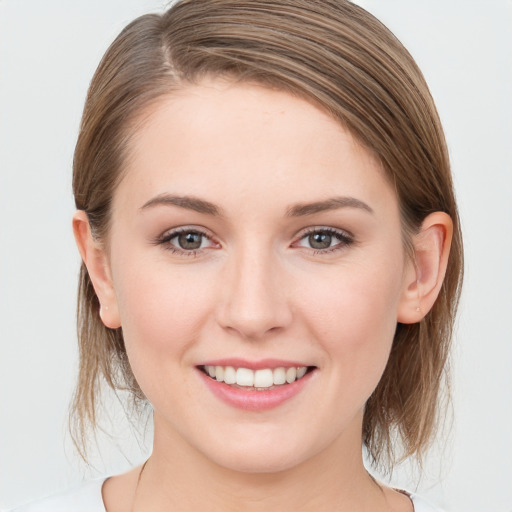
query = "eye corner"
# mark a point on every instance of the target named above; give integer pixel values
(325, 236)
(189, 240)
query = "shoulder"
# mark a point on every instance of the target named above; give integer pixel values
(84, 498)
(420, 505)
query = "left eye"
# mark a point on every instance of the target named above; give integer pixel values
(323, 239)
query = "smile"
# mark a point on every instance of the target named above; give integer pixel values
(259, 380)
(255, 389)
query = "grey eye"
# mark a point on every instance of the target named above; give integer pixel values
(320, 240)
(325, 240)
(190, 240)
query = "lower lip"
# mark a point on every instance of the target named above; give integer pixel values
(251, 400)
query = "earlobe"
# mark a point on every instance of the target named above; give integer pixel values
(425, 274)
(96, 261)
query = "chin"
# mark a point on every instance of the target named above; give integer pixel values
(256, 452)
(263, 461)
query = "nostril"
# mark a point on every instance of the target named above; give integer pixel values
(252, 303)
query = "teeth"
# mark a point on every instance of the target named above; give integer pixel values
(229, 375)
(244, 377)
(291, 374)
(261, 379)
(279, 376)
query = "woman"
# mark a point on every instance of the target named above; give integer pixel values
(272, 256)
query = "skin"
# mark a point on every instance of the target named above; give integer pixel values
(257, 289)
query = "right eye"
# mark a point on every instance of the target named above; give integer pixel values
(186, 241)
(189, 240)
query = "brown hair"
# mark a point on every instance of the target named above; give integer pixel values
(334, 54)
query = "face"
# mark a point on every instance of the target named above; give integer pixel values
(253, 240)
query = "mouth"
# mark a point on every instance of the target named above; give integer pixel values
(262, 379)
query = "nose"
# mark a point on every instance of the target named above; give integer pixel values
(254, 298)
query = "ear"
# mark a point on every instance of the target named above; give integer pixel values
(98, 267)
(424, 275)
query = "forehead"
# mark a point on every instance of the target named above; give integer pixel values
(231, 140)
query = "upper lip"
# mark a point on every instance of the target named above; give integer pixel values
(253, 365)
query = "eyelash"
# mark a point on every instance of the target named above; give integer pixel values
(166, 238)
(345, 239)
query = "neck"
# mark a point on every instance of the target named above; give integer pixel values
(335, 479)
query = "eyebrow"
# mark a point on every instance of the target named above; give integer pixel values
(298, 210)
(334, 203)
(187, 202)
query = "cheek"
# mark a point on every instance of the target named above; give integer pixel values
(162, 311)
(355, 320)
(162, 315)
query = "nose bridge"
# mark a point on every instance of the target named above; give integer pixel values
(254, 301)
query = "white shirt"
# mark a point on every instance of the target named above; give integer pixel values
(87, 498)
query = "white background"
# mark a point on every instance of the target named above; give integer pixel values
(48, 52)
